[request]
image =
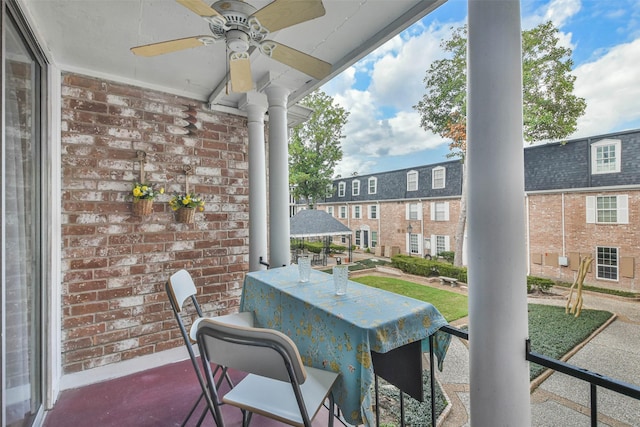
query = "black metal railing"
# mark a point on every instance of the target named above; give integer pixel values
(594, 379)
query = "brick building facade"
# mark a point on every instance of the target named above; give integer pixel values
(114, 263)
(582, 198)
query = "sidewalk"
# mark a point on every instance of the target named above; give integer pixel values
(561, 400)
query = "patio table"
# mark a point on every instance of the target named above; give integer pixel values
(341, 333)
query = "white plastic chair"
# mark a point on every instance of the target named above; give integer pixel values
(180, 288)
(278, 386)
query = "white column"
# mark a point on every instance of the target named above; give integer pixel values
(278, 177)
(499, 372)
(256, 106)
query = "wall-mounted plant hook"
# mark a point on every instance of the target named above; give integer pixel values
(142, 158)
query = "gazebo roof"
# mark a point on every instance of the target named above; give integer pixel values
(312, 222)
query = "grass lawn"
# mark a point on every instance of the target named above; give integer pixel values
(451, 305)
(552, 332)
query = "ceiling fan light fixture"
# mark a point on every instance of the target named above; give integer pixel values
(237, 41)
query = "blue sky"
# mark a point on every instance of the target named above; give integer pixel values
(383, 132)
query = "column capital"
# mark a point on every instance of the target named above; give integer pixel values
(253, 102)
(277, 95)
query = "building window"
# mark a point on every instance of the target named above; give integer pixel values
(343, 212)
(412, 181)
(413, 243)
(605, 156)
(439, 211)
(607, 263)
(357, 237)
(373, 211)
(330, 210)
(355, 188)
(438, 177)
(442, 244)
(373, 185)
(341, 189)
(357, 212)
(413, 211)
(374, 239)
(608, 209)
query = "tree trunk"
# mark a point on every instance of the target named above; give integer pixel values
(462, 220)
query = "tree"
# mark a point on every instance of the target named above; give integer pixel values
(314, 147)
(550, 109)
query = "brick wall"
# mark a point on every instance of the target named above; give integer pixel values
(546, 236)
(115, 264)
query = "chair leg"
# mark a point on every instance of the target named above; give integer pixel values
(246, 418)
(193, 408)
(331, 409)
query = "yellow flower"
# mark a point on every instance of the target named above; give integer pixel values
(137, 192)
(144, 188)
(161, 190)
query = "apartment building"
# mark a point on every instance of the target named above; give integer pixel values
(582, 198)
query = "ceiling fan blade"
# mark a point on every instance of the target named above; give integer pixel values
(240, 70)
(301, 61)
(285, 13)
(199, 7)
(169, 46)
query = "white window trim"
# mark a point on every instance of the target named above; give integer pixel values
(341, 211)
(433, 211)
(408, 211)
(375, 185)
(622, 204)
(617, 279)
(618, 149)
(330, 210)
(341, 188)
(370, 208)
(355, 187)
(411, 173)
(353, 211)
(434, 244)
(433, 176)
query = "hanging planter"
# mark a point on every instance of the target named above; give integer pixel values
(185, 204)
(185, 215)
(142, 207)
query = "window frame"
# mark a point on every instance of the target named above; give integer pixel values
(342, 188)
(412, 181)
(355, 187)
(330, 210)
(622, 209)
(373, 212)
(435, 179)
(601, 267)
(343, 212)
(356, 212)
(617, 147)
(372, 182)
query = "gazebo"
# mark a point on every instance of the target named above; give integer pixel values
(313, 223)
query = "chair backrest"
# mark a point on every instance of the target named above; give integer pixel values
(264, 352)
(180, 287)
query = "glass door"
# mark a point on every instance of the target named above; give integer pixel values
(21, 231)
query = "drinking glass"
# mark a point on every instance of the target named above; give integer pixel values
(341, 278)
(304, 268)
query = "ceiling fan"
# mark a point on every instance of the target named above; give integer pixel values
(244, 28)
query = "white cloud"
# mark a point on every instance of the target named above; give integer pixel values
(611, 88)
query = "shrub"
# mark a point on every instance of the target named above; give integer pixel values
(448, 256)
(337, 249)
(427, 267)
(538, 282)
(314, 247)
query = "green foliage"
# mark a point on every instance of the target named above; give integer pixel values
(314, 148)
(539, 283)
(607, 291)
(550, 108)
(554, 333)
(337, 249)
(428, 268)
(447, 255)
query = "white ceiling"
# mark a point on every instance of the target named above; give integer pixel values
(94, 37)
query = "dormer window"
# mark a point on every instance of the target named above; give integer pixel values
(355, 187)
(341, 189)
(412, 181)
(373, 185)
(606, 156)
(438, 177)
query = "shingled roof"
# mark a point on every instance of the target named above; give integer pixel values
(313, 222)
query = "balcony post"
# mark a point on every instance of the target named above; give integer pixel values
(255, 105)
(498, 327)
(278, 177)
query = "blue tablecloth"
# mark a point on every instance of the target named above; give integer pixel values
(339, 332)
